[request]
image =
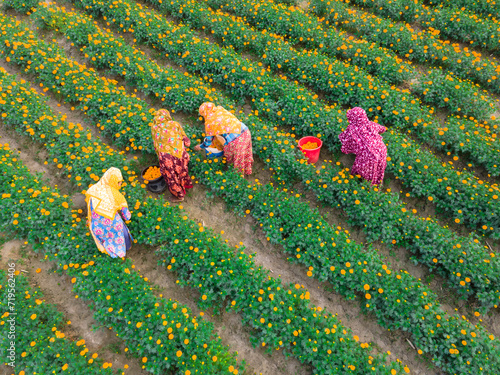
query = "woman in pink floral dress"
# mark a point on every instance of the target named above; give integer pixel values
(107, 210)
(362, 138)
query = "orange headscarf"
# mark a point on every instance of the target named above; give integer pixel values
(219, 120)
(167, 134)
(106, 199)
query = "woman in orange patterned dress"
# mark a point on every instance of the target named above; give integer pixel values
(170, 142)
(238, 141)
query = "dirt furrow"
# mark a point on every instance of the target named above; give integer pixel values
(214, 213)
(57, 290)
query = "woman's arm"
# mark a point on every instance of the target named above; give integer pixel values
(126, 213)
(187, 142)
(379, 128)
(207, 142)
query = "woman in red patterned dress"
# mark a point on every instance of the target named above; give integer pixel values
(238, 141)
(170, 141)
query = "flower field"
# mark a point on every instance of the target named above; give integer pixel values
(414, 264)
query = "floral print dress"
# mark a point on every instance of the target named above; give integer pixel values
(175, 172)
(237, 149)
(170, 142)
(362, 138)
(113, 235)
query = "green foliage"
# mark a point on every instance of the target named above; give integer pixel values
(21, 6)
(456, 95)
(40, 346)
(397, 299)
(451, 21)
(399, 227)
(423, 47)
(487, 8)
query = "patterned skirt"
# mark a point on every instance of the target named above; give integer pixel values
(371, 165)
(239, 153)
(111, 236)
(175, 173)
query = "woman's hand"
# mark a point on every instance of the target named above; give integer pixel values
(197, 148)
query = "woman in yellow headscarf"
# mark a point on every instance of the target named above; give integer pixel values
(170, 141)
(105, 203)
(238, 141)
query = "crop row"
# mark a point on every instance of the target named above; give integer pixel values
(424, 47)
(33, 328)
(461, 97)
(422, 183)
(450, 22)
(215, 288)
(397, 299)
(154, 218)
(488, 8)
(324, 342)
(382, 215)
(348, 85)
(120, 298)
(262, 15)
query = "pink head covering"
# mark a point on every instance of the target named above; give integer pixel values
(357, 117)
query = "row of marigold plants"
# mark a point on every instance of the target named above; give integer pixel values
(162, 333)
(281, 154)
(468, 206)
(421, 46)
(487, 8)
(451, 22)
(37, 336)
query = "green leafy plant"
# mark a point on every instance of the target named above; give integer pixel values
(396, 226)
(423, 47)
(40, 344)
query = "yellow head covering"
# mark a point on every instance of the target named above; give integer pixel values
(167, 135)
(219, 120)
(107, 199)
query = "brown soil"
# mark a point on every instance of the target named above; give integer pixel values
(214, 213)
(57, 290)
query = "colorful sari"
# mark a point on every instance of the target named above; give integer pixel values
(170, 141)
(362, 137)
(238, 145)
(106, 210)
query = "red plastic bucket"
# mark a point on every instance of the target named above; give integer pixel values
(311, 155)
